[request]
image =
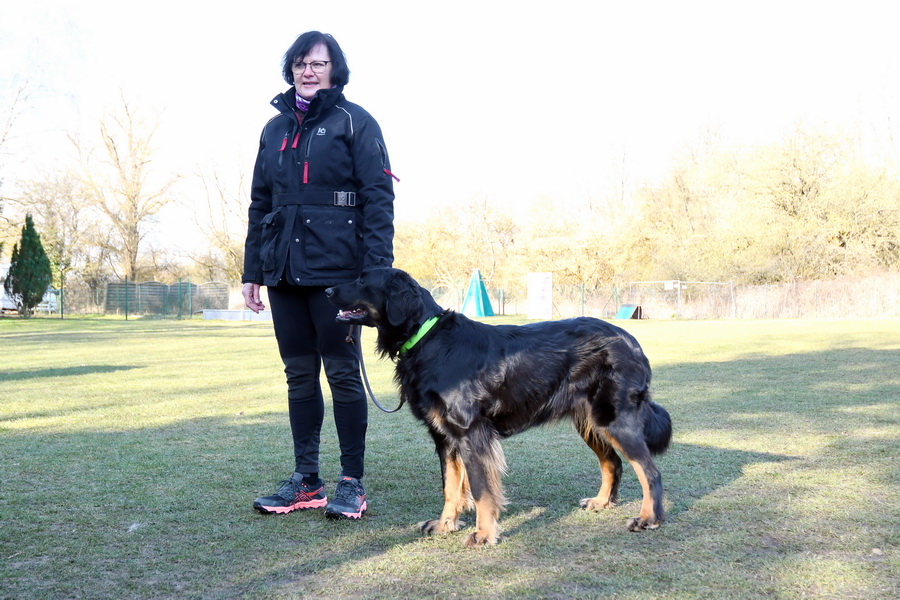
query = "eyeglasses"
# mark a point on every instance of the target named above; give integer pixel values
(317, 66)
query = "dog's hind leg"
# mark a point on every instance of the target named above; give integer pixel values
(610, 468)
(457, 497)
(485, 464)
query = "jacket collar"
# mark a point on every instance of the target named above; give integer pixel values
(286, 104)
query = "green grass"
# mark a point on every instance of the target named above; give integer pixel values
(130, 453)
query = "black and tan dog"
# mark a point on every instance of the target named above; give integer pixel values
(474, 384)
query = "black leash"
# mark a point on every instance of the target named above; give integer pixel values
(357, 339)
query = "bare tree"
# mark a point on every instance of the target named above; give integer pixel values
(59, 207)
(224, 225)
(454, 241)
(122, 189)
(17, 101)
(575, 247)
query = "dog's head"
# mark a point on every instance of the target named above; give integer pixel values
(387, 299)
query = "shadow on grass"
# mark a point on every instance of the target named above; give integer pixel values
(689, 472)
(22, 374)
(789, 393)
(166, 511)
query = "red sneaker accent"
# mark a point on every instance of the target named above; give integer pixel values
(349, 500)
(304, 499)
(357, 515)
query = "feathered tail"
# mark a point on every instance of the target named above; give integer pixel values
(658, 429)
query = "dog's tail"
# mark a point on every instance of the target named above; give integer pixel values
(657, 429)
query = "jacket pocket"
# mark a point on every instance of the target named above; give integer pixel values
(331, 238)
(269, 227)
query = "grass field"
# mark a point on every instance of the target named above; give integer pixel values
(130, 454)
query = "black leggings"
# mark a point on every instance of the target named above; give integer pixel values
(308, 337)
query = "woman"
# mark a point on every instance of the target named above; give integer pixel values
(321, 211)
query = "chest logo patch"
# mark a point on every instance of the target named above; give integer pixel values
(321, 131)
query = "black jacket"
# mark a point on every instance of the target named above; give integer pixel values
(322, 197)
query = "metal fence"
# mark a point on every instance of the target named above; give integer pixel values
(181, 299)
(877, 296)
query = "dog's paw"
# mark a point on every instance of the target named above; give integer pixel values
(440, 526)
(640, 524)
(479, 539)
(596, 503)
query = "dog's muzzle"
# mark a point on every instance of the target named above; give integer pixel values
(355, 314)
(351, 316)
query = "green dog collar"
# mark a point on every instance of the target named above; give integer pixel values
(425, 328)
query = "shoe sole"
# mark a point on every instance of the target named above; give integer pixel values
(283, 510)
(347, 515)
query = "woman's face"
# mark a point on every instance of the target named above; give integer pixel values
(306, 80)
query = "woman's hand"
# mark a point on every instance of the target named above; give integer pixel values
(250, 292)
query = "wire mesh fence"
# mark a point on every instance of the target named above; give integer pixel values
(126, 298)
(877, 296)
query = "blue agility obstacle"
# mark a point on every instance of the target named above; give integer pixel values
(629, 311)
(477, 303)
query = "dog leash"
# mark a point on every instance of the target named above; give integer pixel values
(357, 340)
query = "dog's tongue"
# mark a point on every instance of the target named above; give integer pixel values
(348, 314)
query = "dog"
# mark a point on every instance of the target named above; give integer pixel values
(474, 384)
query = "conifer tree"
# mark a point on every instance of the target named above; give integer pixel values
(29, 270)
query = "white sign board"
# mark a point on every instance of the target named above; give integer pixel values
(540, 296)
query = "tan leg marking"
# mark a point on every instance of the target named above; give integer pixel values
(457, 498)
(487, 526)
(610, 470)
(648, 519)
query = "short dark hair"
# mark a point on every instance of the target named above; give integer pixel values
(340, 72)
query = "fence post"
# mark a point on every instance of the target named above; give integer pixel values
(126, 297)
(678, 311)
(816, 299)
(62, 288)
(733, 303)
(582, 298)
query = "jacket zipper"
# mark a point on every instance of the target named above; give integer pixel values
(306, 159)
(384, 161)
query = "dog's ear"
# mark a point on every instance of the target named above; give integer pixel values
(403, 300)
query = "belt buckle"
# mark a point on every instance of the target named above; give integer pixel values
(345, 198)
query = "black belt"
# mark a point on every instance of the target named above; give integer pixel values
(315, 197)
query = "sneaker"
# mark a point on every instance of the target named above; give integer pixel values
(293, 494)
(349, 500)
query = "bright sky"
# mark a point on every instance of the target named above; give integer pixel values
(504, 100)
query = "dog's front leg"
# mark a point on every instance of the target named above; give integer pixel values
(457, 497)
(652, 513)
(487, 524)
(635, 450)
